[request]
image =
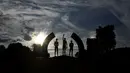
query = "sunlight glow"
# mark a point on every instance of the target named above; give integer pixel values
(92, 36)
(39, 39)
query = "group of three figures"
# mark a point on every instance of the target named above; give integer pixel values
(64, 47)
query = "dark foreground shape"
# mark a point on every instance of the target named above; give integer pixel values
(60, 64)
(45, 44)
(80, 44)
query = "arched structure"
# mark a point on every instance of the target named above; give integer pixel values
(79, 43)
(46, 43)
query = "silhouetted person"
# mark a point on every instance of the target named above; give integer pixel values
(71, 45)
(64, 45)
(56, 44)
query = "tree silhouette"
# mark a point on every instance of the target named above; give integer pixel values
(2, 48)
(106, 38)
(18, 50)
(2, 51)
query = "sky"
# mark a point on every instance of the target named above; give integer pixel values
(22, 20)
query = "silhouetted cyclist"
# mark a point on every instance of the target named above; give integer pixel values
(64, 46)
(71, 45)
(56, 44)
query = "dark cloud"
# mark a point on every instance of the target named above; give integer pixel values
(4, 40)
(4, 37)
(27, 37)
(26, 28)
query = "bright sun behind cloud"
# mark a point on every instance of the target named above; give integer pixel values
(39, 39)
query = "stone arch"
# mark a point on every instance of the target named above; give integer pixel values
(79, 43)
(46, 43)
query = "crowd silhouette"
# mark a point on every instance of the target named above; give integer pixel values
(64, 47)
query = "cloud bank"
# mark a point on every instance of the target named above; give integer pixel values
(21, 19)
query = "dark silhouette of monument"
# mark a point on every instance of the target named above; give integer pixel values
(56, 44)
(92, 49)
(71, 45)
(46, 43)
